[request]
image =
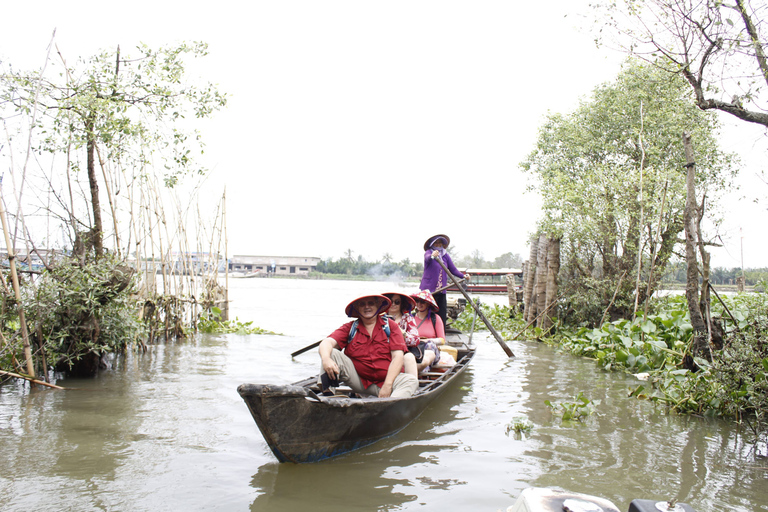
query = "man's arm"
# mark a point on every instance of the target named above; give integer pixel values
(325, 349)
(395, 366)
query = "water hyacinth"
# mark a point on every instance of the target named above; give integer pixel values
(734, 384)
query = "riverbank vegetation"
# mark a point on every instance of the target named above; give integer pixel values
(349, 266)
(360, 269)
(99, 149)
(627, 180)
(733, 384)
(211, 322)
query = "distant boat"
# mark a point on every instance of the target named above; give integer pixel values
(241, 275)
(301, 425)
(489, 280)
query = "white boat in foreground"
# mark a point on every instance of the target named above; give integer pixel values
(537, 499)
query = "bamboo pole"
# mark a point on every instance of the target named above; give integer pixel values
(616, 291)
(30, 379)
(110, 200)
(226, 241)
(16, 290)
(653, 255)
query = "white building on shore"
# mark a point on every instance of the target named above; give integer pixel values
(273, 265)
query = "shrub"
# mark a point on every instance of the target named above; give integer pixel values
(79, 313)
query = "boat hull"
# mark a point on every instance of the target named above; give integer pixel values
(301, 426)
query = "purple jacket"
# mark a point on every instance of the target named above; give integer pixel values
(433, 272)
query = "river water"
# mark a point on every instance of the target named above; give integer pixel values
(166, 430)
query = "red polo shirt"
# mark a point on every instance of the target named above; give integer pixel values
(371, 354)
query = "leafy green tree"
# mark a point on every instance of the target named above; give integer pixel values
(611, 177)
(117, 109)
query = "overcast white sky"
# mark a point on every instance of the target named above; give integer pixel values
(372, 125)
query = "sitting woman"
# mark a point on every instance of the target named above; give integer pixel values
(400, 311)
(431, 332)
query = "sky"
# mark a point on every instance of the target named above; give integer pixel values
(370, 126)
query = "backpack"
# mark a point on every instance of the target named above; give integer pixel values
(353, 329)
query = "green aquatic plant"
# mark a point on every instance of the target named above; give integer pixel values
(519, 426)
(579, 409)
(212, 323)
(734, 384)
(499, 316)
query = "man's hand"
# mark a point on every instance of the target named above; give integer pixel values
(331, 368)
(385, 390)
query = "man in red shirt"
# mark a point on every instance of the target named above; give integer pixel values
(372, 361)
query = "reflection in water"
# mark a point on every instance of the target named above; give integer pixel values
(630, 449)
(370, 477)
(167, 430)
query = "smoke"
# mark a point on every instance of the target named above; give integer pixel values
(384, 272)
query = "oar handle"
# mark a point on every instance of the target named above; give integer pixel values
(488, 324)
(308, 347)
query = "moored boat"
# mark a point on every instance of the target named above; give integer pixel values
(301, 425)
(490, 281)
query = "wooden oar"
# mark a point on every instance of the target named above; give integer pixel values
(472, 331)
(308, 347)
(488, 324)
(448, 286)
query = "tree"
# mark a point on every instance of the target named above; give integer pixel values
(718, 46)
(508, 260)
(610, 176)
(115, 109)
(111, 116)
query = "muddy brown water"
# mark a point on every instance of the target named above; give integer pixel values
(166, 430)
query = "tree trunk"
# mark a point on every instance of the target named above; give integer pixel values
(553, 269)
(541, 279)
(699, 344)
(512, 293)
(97, 230)
(530, 280)
(704, 299)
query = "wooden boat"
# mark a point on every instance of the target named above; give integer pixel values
(489, 280)
(301, 425)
